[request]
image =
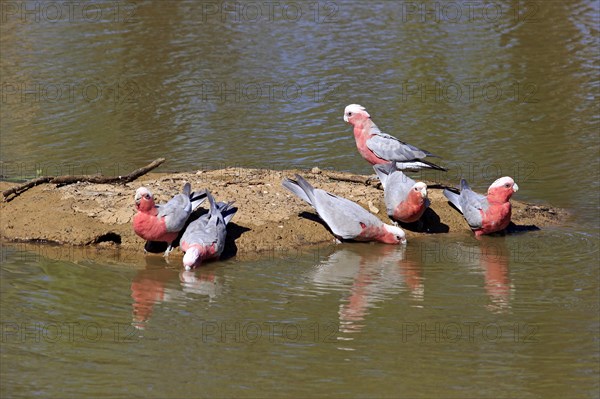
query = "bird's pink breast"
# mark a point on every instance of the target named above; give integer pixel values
(496, 218)
(152, 228)
(409, 211)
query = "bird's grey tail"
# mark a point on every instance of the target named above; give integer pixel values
(300, 188)
(187, 189)
(197, 197)
(225, 209)
(464, 185)
(383, 170)
(419, 164)
(454, 197)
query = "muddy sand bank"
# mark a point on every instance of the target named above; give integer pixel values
(269, 218)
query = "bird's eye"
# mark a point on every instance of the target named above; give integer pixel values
(349, 113)
(416, 189)
(147, 196)
(507, 185)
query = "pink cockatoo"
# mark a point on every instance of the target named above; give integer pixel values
(378, 147)
(164, 222)
(346, 219)
(204, 238)
(405, 199)
(485, 214)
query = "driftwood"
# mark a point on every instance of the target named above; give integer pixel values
(367, 181)
(13, 192)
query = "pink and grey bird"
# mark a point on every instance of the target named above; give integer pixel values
(485, 214)
(164, 222)
(346, 219)
(204, 238)
(405, 199)
(378, 147)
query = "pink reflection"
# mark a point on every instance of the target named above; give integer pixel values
(373, 273)
(154, 285)
(494, 260)
(147, 289)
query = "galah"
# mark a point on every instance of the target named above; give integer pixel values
(346, 219)
(204, 238)
(405, 199)
(378, 147)
(164, 222)
(485, 214)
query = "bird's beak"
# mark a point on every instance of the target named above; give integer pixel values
(424, 192)
(345, 118)
(515, 188)
(138, 199)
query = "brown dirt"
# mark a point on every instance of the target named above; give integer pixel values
(269, 217)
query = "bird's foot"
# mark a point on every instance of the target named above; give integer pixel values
(168, 251)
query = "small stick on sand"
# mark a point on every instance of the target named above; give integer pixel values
(11, 193)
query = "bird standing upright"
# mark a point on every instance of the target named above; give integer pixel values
(485, 214)
(378, 147)
(405, 199)
(164, 222)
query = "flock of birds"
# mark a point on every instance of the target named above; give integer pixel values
(405, 199)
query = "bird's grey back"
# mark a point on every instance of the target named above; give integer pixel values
(342, 215)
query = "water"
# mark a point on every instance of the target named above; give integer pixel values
(110, 89)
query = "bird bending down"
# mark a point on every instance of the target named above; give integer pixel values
(346, 219)
(204, 238)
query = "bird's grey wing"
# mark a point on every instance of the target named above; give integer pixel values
(392, 149)
(343, 216)
(472, 204)
(176, 212)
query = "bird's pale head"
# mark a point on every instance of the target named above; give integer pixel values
(502, 189)
(192, 255)
(143, 199)
(396, 235)
(355, 112)
(420, 188)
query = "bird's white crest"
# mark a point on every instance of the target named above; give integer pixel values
(354, 109)
(422, 187)
(504, 180)
(140, 192)
(190, 257)
(396, 231)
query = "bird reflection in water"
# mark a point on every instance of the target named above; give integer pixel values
(155, 284)
(494, 259)
(372, 273)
